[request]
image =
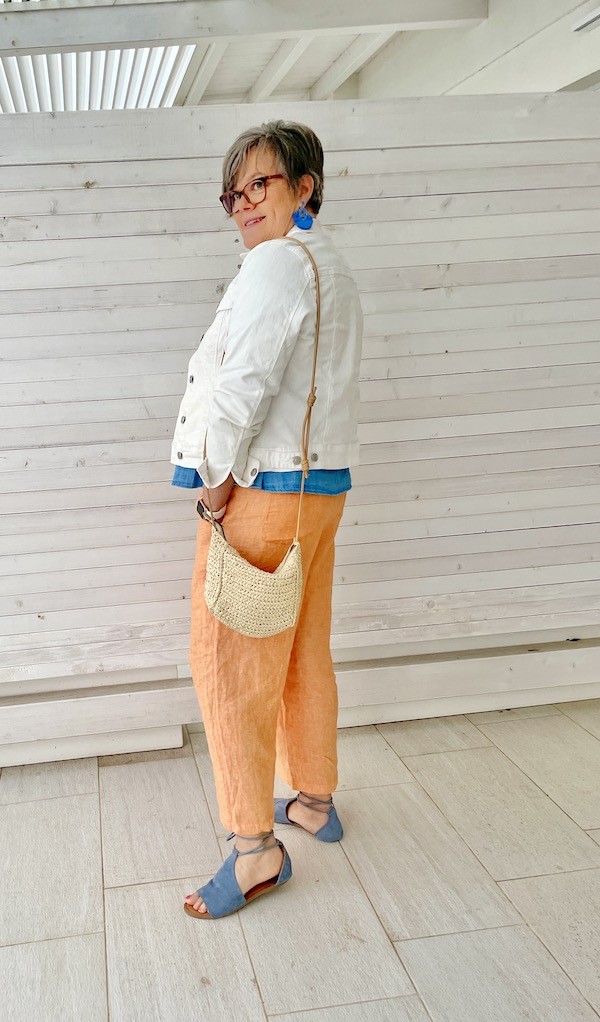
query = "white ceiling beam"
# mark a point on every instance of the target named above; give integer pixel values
(281, 62)
(353, 58)
(121, 23)
(202, 68)
(591, 81)
(298, 96)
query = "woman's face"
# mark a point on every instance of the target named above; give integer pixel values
(271, 218)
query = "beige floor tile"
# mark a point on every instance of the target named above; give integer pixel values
(366, 759)
(419, 875)
(165, 966)
(561, 757)
(393, 1009)
(48, 780)
(503, 975)
(318, 942)
(585, 712)
(564, 912)
(435, 734)
(205, 770)
(155, 820)
(511, 826)
(60, 980)
(283, 790)
(50, 850)
(514, 713)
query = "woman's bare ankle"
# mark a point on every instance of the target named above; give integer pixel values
(245, 844)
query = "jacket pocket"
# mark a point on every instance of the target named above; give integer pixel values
(220, 326)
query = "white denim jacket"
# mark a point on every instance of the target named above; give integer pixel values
(249, 379)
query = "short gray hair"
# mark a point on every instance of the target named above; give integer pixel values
(296, 147)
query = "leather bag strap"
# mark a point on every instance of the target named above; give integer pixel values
(305, 435)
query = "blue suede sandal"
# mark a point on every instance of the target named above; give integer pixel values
(223, 895)
(332, 830)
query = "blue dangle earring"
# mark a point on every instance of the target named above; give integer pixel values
(302, 218)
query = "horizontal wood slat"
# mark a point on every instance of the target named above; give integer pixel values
(183, 132)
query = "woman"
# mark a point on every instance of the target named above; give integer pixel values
(269, 705)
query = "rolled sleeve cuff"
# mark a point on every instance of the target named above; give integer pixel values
(226, 452)
(216, 474)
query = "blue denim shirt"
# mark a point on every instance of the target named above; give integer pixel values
(321, 480)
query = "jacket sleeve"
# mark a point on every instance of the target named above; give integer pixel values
(272, 298)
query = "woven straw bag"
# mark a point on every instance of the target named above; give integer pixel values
(244, 597)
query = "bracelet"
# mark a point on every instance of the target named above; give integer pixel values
(215, 513)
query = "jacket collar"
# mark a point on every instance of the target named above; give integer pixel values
(295, 232)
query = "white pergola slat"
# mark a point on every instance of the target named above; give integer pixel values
(101, 79)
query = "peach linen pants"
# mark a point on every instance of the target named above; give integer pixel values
(269, 706)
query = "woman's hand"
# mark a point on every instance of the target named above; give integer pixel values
(219, 495)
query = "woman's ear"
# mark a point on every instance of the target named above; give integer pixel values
(306, 187)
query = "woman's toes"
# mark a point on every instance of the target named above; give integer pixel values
(196, 903)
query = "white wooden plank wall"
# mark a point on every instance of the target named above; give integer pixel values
(473, 227)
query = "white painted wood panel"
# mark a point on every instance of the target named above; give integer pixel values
(472, 225)
(63, 26)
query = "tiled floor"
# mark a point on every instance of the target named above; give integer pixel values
(466, 887)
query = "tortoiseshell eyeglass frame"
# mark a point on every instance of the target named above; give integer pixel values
(229, 199)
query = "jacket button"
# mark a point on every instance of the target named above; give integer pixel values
(180, 454)
(314, 457)
(183, 418)
(254, 471)
(191, 379)
(296, 459)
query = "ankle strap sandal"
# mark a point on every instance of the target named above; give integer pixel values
(223, 895)
(332, 830)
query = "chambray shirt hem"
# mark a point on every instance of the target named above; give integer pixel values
(322, 480)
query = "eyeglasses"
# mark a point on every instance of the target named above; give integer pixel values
(257, 190)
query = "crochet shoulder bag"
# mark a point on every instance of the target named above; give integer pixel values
(244, 597)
